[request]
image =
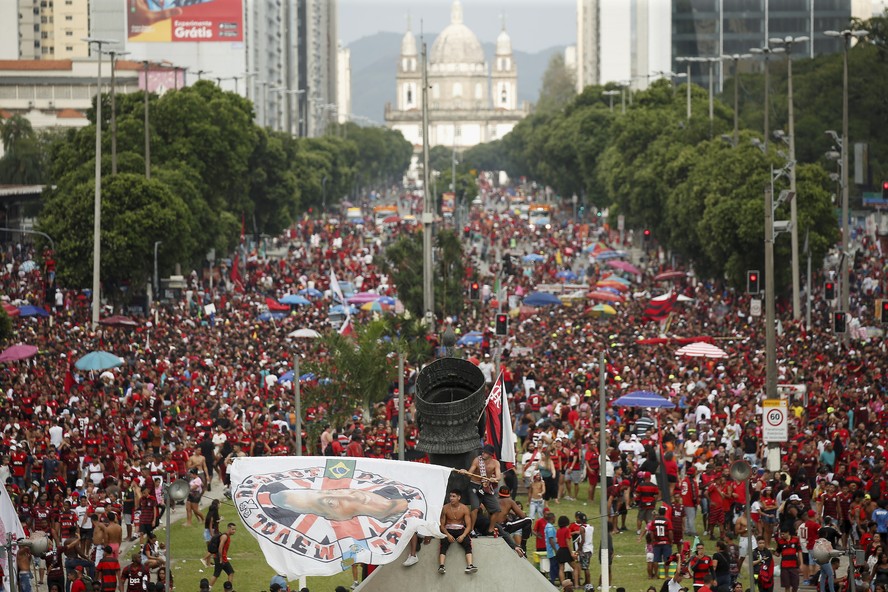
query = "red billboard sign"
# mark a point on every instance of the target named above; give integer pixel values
(162, 21)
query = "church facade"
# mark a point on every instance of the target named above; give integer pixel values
(468, 104)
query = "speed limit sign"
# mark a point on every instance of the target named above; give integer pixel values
(775, 420)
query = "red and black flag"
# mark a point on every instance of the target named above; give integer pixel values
(659, 308)
(498, 422)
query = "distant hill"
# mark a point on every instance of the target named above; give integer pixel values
(374, 62)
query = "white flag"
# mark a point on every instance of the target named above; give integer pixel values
(9, 524)
(337, 291)
(317, 515)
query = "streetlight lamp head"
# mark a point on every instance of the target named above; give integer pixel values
(860, 33)
(832, 33)
(800, 39)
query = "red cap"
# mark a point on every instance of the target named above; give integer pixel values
(811, 514)
(692, 471)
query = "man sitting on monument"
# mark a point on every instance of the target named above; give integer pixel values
(456, 525)
(485, 476)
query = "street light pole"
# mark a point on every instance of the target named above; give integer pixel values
(770, 306)
(428, 295)
(97, 202)
(736, 59)
(173, 492)
(788, 42)
(766, 52)
(114, 56)
(845, 295)
(298, 403)
(610, 94)
(687, 61)
(147, 129)
(156, 276)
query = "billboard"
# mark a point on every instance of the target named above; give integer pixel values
(161, 80)
(150, 21)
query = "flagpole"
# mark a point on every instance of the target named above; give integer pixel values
(602, 445)
(400, 406)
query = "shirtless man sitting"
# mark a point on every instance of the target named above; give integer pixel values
(456, 524)
(520, 525)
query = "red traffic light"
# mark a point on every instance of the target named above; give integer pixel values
(501, 318)
(474, 285)
(753, 277)
(884, 184)
(647, 232)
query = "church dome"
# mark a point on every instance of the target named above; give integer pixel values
(408, 44)
(503, 43)
(456, 44)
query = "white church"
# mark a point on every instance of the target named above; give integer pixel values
(468, 105)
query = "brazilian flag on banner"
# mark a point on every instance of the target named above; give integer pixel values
(339, 469)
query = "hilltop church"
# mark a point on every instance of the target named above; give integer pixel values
(468, 105)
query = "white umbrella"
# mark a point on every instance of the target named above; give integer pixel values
(668, 295)
(305, 333)
(701, 350)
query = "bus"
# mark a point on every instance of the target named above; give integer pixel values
(539, 214)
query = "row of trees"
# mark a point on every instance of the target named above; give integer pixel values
(213, 172)
(701, 196)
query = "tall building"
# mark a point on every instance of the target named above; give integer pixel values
(317, 49)
(708, 28)
(624, 41)
(43, 30)
(468, 104)
(343, 85)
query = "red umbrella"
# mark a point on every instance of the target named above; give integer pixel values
(612, 284)
(18, 352)
(670, 275)
(11, 310)
(119, 321)
(605, 297)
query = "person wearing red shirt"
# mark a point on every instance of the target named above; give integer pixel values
(566, 553)
(134, 576)
(716, 506)
(77, 584)
(690, 498)
(355, 447)
(807, 533)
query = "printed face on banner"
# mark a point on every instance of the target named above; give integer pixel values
(330, 513)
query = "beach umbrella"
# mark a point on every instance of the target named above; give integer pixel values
(118, 321)
(18, 352)
(624, 266)
(605, 297)
(340, 309)
(288, 377)
(541, 299)
(702, 350)
(470, 338)
(11, 310)
(29, 310)
(294, 300)
(98, 360)
(612, 284)
(362, 298)
(615, 278)
(608, 289)
(304, 334)
(607, 255)
(267, 316)
(533, 258)
(645, 399)
(311, 292)
(667, 276)
(376, 306)
(566, 275)
(602, 309)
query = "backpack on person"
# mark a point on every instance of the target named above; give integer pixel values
(213, 544)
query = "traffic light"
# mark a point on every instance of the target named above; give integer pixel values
(752, 282)
(885, 312)
(829, 290)
(885, 190)
(502, 325)
(473, 291)
(839, 322)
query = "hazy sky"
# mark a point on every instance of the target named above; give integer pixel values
(533, 25)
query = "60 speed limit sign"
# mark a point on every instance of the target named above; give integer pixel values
(775, 420)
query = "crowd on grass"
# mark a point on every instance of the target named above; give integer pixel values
(85, 455)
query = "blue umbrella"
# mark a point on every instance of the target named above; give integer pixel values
(533, 258)
(604, 256)
(541, 299)
(288, 377)
(566, 275)
(267, 316)
(339, 309)
(311, 292)
(644, 399)
(294, 300)
(30, 310)
(470, 338)
(387, 300)
(608, 290)
(98, 360)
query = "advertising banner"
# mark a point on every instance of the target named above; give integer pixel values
(159, 21)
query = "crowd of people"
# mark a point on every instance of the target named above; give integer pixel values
(85, 455)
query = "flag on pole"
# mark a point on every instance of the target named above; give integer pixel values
(658, 310)
(346, 329)
(318, 516)
(9, 524)
(234, 274)
(337, 291)
(498, 422)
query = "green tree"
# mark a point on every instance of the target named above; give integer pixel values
(6, 332)
(23, 161)
(136, 212)
(559, 86)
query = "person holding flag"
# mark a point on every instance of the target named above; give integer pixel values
(498, 432)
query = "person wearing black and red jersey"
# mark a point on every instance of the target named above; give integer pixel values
(646, 494)
(660, 530)
(134, 576)
(700, 566)
(789, 550)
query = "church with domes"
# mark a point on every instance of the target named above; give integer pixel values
(468, 103)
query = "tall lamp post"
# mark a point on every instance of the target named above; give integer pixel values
(114, 57)
(174, 492)
(147, 129)
(97, 205)
(610, 94)
(736, 59)
(788, 42)
(846, 36)
(766, 53)
(688, 61)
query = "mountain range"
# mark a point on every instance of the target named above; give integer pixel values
(374, 63)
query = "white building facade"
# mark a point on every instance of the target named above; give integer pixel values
(468, 103)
